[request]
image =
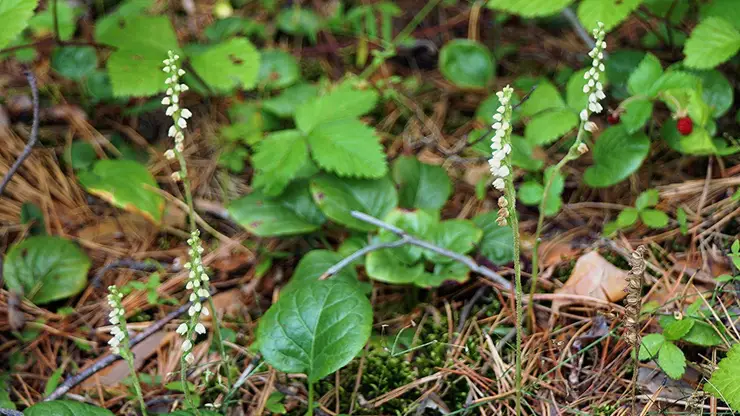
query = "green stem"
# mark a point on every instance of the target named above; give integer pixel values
(514, 222)
(184, 382)
(571, 155)
(129, 357)
(193, 227)
(310, 399)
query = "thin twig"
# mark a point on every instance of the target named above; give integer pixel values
(73, 381)
(576, 24)
(409, 239)
(361, 252)
(126, 264)
(34, 133)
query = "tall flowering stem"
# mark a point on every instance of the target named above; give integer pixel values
(198, 280)
(120, 343)
(594, 89)
(501, 169)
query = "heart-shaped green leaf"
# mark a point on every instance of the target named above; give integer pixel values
(417, 223)
(127, 185)
(315, 329)
(616, 156)
(293, 212)
(650, 346)
(609, 12)
(452, 272)
(421, 185)
(278, 69)
(315, 263)
(699, 142)
(338, 197)
(497, 243)
(45, 269)
(531, 8)
(466, 63)
(717, 91)
(459, 236)
(385, 266)
(229, 64)
(627, 218)
(654, 218)
(65, 408)
(619, 67)
(636, 114)
(544, 97)
(645, 75)
(74, 62)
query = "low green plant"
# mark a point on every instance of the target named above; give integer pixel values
(643, 211)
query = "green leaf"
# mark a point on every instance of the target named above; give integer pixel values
(277, 160)
(32, 216)
(609, 12)
(726, 378)
(703, 334)
(717, 92)
(348, 148)
(522, 154)
(549, 126)
(726, 9)
(619, 67)
(699, 142)
(65, 408)
(452, 272)
(142, 42)
(343, 102)
(285, 104)
(278, 69)
(293, 212)
(554, 195)
(315, 329)
(466, 63)
(654, 218)
(80, 155)
(647, 199)
(314, 264)
(674, 80)
(15, 15)
(42, 24)
(672, 360)
(459, 236)
(682, 220)
(530, 193)
(421, 185)
(497, 243)
(627, 218)
(74, 62)
(234, 63)
(125, 184)
(677, 329)
(98, 87)
(645, 75)
(650, 346)
(713, 41)
(275, 403)
(417, 223)
(299, 22)
(616, 156)
(532, 8)
(338, 197)
(45, 269)
(384, 266)
(127, 10)
(636, 114)
(544, 97)
(53, 381)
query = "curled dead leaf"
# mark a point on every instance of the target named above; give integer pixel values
(594, 276)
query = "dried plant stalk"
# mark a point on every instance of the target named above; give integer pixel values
(632, 312)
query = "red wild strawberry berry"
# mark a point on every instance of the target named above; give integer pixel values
(613, 118)
(685, 126)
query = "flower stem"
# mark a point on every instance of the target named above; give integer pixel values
(310, 399)
(129, 357)
(572, 154)
(184, 382)
(514, 223)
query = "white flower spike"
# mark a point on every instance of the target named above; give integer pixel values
(594, 88)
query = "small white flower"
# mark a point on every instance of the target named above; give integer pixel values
(182, 329)
(182, 123)
(114, 342)
(584, 115)
(582, 148)
(189, 358)
(180, 147)
(115, 320)
(590, 126)
(176, 176)
(185, 113)
(205, 312)
(180, 72)
(166, 69)
(169, 154)
(191, 311)
(166, 101)
(200, 328)
(187, 345)
(172, 131)
(193, 297)
(203, 293)
(499, 184)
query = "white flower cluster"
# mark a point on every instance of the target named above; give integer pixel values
(172, 101)
(594, 88)
(198, 285)
(116, 318)
(500, 140)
